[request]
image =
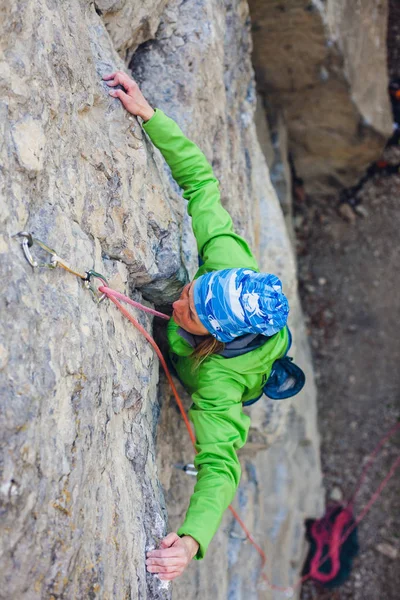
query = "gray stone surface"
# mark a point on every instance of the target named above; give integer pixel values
(80, 489)
(313, 61)
(272, 136)
(130, 23)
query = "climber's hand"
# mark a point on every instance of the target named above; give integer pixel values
(132, 98)
(173, 556)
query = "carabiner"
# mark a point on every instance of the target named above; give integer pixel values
(189, 468)
(55, 260)
(27, 243)
(89, 284)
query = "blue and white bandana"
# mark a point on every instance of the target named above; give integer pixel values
(233, 302)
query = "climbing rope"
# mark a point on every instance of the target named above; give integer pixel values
(106, 292)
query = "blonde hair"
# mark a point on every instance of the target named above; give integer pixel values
(210, 345)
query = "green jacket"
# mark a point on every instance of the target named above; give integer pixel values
(219, 385)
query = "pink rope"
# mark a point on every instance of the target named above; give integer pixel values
(361, 516)
(110, 292)
(370, 461)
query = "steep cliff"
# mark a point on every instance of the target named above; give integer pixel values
(80, 491)
(313, 62)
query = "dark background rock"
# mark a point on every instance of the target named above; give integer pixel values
(313, 63)
(356, 354)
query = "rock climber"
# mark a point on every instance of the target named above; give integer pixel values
(227, 329)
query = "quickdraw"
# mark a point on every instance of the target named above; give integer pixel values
(28, 241)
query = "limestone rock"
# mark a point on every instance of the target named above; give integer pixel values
(29, 141)
(130, 23)
(272, 136)
(313, 61)
(80, 491)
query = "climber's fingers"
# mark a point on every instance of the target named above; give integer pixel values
(130, 96)
(112, 82)
(170, 562)
(165, 553)
(120, 78)
(169, 569)
(169, 540)
(129, 86)
(125, 99)
(171, 559)
(165, 569)
(159, 563)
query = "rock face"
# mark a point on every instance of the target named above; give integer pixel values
(80, 490)
(313, 62)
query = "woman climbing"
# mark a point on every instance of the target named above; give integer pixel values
(227, 330)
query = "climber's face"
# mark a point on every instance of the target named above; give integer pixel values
(185, 314)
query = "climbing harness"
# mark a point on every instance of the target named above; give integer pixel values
(331, 544)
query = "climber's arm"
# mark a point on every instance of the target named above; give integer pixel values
(218, 245)
(221, 429)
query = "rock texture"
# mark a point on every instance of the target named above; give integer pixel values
(80, 490)
(313, 62)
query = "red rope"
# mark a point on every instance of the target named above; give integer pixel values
(113, 295)
(148, 337)
(110, 292)
(370, 461)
